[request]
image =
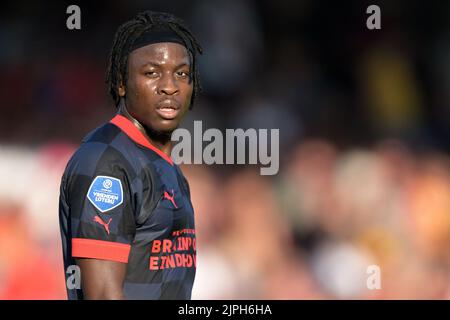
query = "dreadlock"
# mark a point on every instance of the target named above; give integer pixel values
(127, 33)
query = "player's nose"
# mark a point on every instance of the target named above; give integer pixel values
(168, 85)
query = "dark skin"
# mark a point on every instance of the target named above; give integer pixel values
(158, 78)
(155, 98)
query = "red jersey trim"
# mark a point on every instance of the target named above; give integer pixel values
(137, 136)
(99, 249)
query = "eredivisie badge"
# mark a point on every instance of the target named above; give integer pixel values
(105, 193)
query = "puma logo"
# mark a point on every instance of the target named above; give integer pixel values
(170, 198)
(106, 225)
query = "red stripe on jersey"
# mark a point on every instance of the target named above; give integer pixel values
(99, 249)
(137, 136)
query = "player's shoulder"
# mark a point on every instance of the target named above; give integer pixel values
(97, 151)
(105, 133)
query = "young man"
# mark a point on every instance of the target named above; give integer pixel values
(127, 222)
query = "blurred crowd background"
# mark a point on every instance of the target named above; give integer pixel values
(364, 119)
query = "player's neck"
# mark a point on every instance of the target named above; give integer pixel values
(159, 140)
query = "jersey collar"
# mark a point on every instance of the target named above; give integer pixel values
(137, 136)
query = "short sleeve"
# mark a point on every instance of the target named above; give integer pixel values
(100, 203)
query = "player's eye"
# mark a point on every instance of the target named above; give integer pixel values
(151, 74)
(183, 74)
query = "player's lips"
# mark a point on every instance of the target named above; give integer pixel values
(168, 109)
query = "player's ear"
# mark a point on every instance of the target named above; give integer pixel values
(121, 89)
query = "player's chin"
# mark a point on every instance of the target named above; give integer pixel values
(166, 126)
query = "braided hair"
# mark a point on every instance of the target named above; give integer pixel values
(127, 33)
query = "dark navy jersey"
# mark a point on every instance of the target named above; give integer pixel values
(122, 199)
